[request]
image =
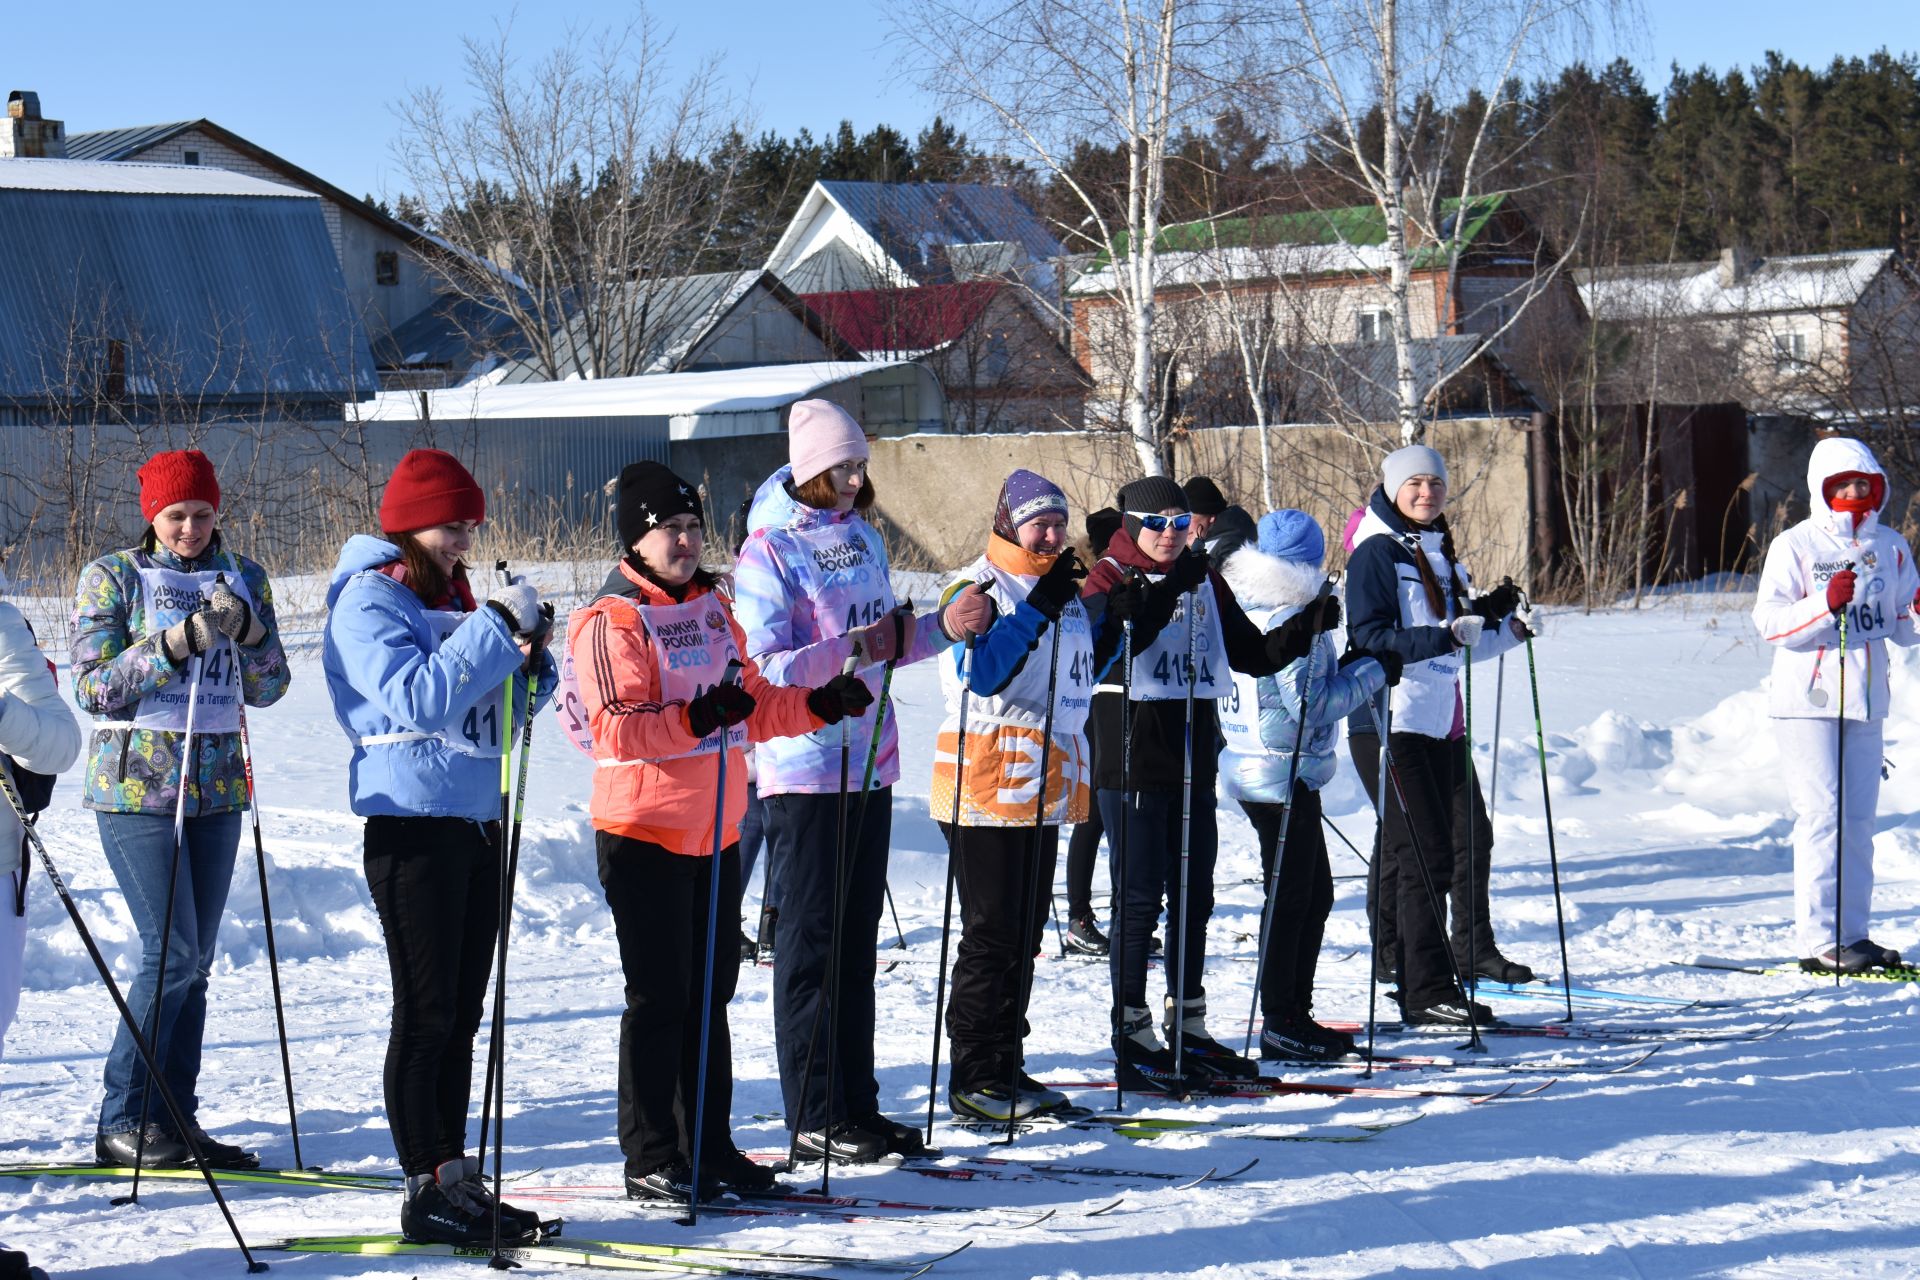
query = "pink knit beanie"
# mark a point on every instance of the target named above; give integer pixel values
(821, 435)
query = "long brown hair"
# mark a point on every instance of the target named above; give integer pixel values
(424, 575)
(821, 494)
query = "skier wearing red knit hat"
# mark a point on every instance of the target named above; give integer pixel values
(1840, 567)
(170, 636)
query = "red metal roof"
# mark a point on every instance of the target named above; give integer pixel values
(904, 319)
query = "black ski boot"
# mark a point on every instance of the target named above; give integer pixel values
(1495, 967)
(514, 1222)
(1302, 1040)
(1449, 1012)
(844, 1143)
(1140, 1063)
(736, 1171)
(224, 1155)
(161, 1151)
(1205, 1055)
(899, 1139)
(1084, 936)
(14, 1266)
(672, 1182)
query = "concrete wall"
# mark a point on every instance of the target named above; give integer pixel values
(936, 492)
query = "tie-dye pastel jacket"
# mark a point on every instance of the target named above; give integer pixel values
(116, 663)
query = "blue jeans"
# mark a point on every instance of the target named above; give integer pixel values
(139, 848)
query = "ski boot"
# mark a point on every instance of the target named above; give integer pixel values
(1205, 1055)
(1084, 936)
(1140, 1063)
(897, 1139)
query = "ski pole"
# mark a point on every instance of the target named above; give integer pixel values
(1382, 723)
(1286, 822)
(273, 954)
(131, 1023)
(1474, 1043)
(953, 858)
(1546, 803)
(828, 987)
(1328, 823)
(1840, 799)
(188, 772)
(1028, 941)
(692, 1219)
(1118, 921)
(1499, 703)
(1434, 902)
(1192, 603)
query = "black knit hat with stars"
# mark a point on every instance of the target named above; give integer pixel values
(647, 495)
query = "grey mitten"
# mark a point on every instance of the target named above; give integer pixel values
(192, 635)
(235, 617)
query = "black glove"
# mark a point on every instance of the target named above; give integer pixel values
(1188, 571)
(1127, 599)
(844, 695)
(1293, 639)
(1498, 603)
(1390, 662)
(1059, 586)
(724, 704)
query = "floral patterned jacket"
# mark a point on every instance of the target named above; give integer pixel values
(116, 663)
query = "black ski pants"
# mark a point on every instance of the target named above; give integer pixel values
(436, 884)
(659, 903)
(1302, 900)
(1083, 850)
(1005, 885)
(1441, 791)
(802, 841)
(1146, 875)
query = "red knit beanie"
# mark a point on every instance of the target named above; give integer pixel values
(429, 487)
(182, 475)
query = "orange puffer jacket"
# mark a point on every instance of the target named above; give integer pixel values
(667, 802)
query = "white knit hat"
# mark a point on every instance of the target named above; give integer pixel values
(1403, 465)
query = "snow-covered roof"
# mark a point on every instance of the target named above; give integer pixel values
(654, 395)
(1804, 282)
(137, 179)
(1239, 262)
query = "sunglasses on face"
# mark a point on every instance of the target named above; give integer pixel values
(1154, 522)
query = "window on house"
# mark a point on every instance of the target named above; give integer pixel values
(190, 157)
(1373, 326)
(1789, 352)
(386, 268)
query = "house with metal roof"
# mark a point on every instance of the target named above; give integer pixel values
(382, 259)
(171, 291)
(661, 324)
(996, 358)
(1321, 278)
(873, 235)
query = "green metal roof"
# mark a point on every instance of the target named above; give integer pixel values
(1361, 224)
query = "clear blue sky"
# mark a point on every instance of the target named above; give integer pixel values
(315, 83)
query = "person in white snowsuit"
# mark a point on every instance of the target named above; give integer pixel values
(1840, 563)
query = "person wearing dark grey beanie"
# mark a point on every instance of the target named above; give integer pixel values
(1189, 635)
(430, 684)
(1411, 601)
(1206, 502)
(646, 665)
(814, 591)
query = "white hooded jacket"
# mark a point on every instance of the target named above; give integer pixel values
(1792, 612)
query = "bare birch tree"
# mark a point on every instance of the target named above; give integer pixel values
(1040, 76)
(567, 185)
(1427, 171)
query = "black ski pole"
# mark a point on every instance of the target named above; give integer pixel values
(1434, 902)
(1178, 957)
(1546, 803)
(188, 773)
(824, 999)
(273, 954)
(692, 1219)
(1840, 799)
(1382, 723)
(1029, 937)
(1286, 823)
(1118, 908)
(266, 912)
(132, 1024)
(1328, 824)
(953, 859)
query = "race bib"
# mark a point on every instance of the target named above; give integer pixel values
(692, 642)
(211, 682)
(1160, 672)
(1240, 716)
(482, 731)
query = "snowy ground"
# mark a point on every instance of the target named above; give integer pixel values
(1789, 1156)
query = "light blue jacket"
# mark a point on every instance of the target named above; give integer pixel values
(1272, 590)
(386, 677)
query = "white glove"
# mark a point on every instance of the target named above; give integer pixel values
(519, 604)
(1466, 630)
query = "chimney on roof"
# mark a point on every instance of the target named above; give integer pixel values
(1736, 264)
(26, 135)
